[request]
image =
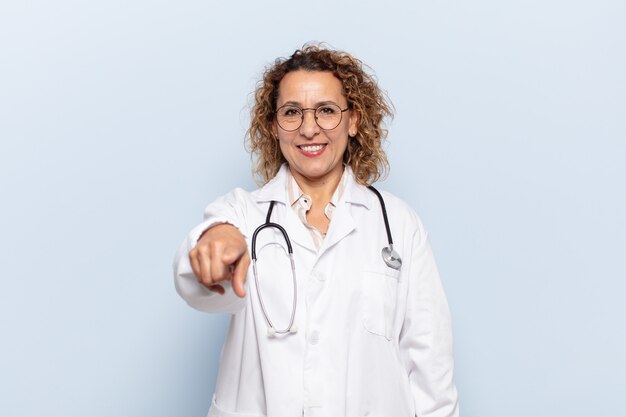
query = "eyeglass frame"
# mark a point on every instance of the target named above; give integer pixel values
(302, 110)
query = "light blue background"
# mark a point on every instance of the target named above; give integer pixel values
(120, 120)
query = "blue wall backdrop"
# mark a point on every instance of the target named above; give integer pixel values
(120, 121)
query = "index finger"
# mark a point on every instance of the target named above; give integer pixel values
(240, 271)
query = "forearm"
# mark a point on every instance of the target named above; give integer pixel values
(187, 278)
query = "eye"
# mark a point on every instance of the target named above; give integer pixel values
(290, 112)
(326, 110)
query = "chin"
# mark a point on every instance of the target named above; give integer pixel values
(314, 172)
(315, 169)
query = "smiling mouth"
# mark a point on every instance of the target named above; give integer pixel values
(311, 148)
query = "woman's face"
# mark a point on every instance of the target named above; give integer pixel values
(314, 154)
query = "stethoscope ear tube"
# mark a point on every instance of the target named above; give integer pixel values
(271, 330)
(270, 225)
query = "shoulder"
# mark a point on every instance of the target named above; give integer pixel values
(274, 189)
(403, 216)
(235, 202)
(236, 196)
(399, 205)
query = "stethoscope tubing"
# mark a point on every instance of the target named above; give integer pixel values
(384, 210)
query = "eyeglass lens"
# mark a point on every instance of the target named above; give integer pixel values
(327, 116)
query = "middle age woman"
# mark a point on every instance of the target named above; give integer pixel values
(349, 334)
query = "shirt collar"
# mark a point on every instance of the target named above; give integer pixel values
(353, 192)
(295, 193)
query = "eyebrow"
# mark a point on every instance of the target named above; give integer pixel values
(319, 103)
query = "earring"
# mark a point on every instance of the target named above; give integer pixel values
(351, 134)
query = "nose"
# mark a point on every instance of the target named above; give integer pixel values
(309, 126)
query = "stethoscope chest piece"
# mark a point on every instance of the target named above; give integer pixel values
(391, 257)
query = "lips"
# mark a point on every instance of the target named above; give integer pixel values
(312, 148)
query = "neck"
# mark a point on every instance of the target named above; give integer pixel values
(320, 189)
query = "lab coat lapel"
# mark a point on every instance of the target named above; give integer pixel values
(276, 190)
(298, 232)
(342, 223)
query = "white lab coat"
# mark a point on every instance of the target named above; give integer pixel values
(371, 341)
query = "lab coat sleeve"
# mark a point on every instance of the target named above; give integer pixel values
(426, 336)
(226, 209)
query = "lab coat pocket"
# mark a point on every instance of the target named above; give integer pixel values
(380, 285)
(216, 411)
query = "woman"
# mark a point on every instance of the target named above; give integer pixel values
(346, 332)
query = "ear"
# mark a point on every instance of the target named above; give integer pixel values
(353, 125)
(275, 128)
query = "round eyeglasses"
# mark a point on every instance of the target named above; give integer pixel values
(327, 116)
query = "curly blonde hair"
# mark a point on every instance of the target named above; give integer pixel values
(364, 153)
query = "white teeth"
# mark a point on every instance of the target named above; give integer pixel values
(312, 148)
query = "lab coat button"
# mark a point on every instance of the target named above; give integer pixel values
(314, 337)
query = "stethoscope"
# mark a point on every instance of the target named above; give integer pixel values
(389, 255)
